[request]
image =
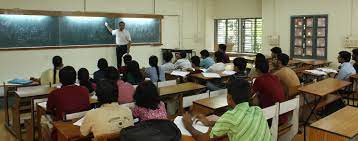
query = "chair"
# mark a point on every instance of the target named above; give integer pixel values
(188, 100)
(107, 137)
(167, 83)
(74, 115)
(217, 93)
(272, 112)
(285, 107)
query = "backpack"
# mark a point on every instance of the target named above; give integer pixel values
(151, 130)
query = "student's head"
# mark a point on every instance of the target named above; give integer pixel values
(261, 64)
(240, 64)
(238, 92)
(195, 61)
(127, 58)
(281, 60)
(204, 53)
(222, 48)
(106, 92)
(219, 56)
(146, 95)
(182, 54)
(102, 64)
(83, 74)
(57, 62)
(344, 56)
(275, 51)
(355, 54)
(153, 61)
(133, 67)
(111, 73)
(67, 76)
(167, 56)
(121, 25)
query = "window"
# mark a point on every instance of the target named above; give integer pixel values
(245, 35)
(309, 36)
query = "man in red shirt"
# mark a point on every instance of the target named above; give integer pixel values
(70, 98)
(267, 87)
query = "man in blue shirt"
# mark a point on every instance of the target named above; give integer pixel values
(346, 68)
(207, 60)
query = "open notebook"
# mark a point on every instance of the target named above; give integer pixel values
(198, 126)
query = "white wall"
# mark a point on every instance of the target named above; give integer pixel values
(276, 21)
(223, 9)
(177, 15)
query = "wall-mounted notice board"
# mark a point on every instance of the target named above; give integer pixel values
(29, 29)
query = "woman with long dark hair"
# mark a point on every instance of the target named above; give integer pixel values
(133, 75)
(50, 76)
(154, 72)
(84, 79)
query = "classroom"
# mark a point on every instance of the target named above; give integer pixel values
(179, 70)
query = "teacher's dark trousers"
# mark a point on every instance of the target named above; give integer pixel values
(120, 51)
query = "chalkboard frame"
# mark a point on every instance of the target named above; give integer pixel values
(80, 13)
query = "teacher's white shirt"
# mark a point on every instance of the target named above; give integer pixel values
(122, 37)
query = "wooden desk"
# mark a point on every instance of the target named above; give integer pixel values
(354, 80)
(341, 125)
(317, 63)
(294, 63)
(181, 90)
(66, 131)
(322, 90)
(188, 51)
(200, 76)
(208, 106)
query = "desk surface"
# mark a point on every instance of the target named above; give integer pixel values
(34, 91)
(343, 122)
(316, 62)
(293, 62)
(201, 76)
(179, 88)
(324, 87)
(213, 102)
(355, 76)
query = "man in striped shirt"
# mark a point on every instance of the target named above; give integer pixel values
(241, 123)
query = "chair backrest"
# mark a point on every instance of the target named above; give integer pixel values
(37, 100)
(74, 115)
(188, 100)
(272, 112)
(167, 83)
(217, 93)
(285, 107)
(107, 137)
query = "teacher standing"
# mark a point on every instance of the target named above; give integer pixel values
(123, 41)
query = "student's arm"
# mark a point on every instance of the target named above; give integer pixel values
(197, 135)
(108, 28)
(86, 126)
(129, 42)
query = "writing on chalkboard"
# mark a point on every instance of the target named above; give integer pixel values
(33, 30)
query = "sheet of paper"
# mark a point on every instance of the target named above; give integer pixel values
(94, 97)
(79, 122)
(42, 104)
(198, 126)
(227, 72)
(316, 72)
(180, 73)
(204, 70)
(211, 75)
(327, 70)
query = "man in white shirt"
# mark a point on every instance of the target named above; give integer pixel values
(182, 63)
(219, 66)
(346, 68)
(123, 41)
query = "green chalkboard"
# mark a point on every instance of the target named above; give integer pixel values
(32, 31)
(24, 31)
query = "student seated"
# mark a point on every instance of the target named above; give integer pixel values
(254, 72)
(110, 117)
(154, 72)
(70, 98)
(125, 90)
(126, 58)
(275, 51)
(85, 80)
(222, 49)
(133, 75)
(346, 68)
(355, 58)
(242, 123)
(286, 75)
(51, 76)
(219, 66)
(195, 63)
(168, 66)
(102, 64)
(147, 102)
(182, 63)
(267, 89)
(207, 60)
(240, 68)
